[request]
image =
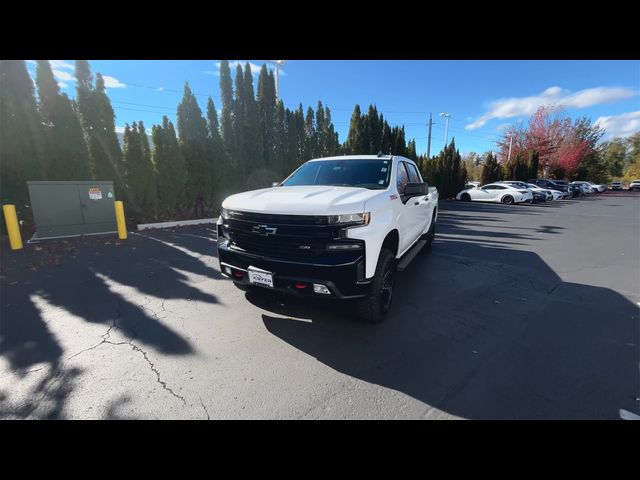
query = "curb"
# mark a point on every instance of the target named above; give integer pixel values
(181, 223)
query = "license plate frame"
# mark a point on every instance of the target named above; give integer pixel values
(260, 277)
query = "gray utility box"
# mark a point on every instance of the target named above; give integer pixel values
(62, 209)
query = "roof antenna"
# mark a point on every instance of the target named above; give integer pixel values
(380, 154)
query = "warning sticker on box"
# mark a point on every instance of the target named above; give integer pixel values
(95, 194)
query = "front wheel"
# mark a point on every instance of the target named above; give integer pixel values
(508, 200)
(375, 306)
(465, 197)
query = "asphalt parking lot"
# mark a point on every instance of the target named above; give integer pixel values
(519, 312)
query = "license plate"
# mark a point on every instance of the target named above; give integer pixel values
(260, 277)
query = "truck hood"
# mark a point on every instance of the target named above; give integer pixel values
(302, 200)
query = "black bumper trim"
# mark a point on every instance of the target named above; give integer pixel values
(342, 280)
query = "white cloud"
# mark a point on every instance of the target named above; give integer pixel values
(621, 125)
(555, 97)
(61, 64)
(111, 82)
(119, 129)
(63, 85)
(63, 76)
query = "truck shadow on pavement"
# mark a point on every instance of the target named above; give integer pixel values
(121, 285)
(480, 331)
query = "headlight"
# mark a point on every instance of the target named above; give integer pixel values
(355, 218)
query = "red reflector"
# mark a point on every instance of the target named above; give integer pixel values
(238, 274)
(300, 285)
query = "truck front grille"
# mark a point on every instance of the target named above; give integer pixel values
(288, 237)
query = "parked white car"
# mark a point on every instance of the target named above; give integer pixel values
(587, 188)
(495, 193)
(635, 185)
(598, 187)
(551, 194)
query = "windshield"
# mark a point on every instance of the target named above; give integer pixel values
(371, 174)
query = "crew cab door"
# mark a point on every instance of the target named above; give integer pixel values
(409, 218)
(424, 211)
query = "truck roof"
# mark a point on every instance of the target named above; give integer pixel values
(362, 157)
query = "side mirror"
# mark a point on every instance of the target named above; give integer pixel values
(416, 189)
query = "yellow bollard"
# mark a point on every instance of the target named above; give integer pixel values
(122, 226)
(10, 217)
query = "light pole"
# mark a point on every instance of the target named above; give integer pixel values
(446, 130)
(278, 63)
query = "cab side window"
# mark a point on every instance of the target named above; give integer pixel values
(414, 176)
(403, 178)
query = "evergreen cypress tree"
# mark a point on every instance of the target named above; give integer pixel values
(331, 136)
(192, 134)
(281, 144)
(354, 136)
(150, 187)
(385, 143)
(239, 128)
(98, 121)
(67, 154)
(491, 170)
(21, 147)
(227, 126)
(321, 132)
(411, 151)
(266, 98)
(217, 162)
(171, 167)
(310, 136)
(258, 176)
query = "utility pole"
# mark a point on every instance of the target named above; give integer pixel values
(429, 140)
(510, 143)
(446, 130)
(278, 64)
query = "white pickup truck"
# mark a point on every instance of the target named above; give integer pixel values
(337, 227)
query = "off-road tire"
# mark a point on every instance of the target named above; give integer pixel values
(375, 306)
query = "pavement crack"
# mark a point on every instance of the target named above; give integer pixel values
(205, 408)
(153, 368)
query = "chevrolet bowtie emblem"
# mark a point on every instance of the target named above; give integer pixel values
(264, 230)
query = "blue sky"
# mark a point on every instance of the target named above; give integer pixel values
(482, 97)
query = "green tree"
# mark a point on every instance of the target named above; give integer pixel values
(21, 146)
(227, 127)
(281, 143)
(98, 121)
(614, 154)
(171, 167)
(192, 137)
(139, 172)
(353, 143)
(217, 159)
(266, 98)
(491, 170)
(67, 154)
(258, 175)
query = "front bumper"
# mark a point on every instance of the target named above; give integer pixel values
(344, 281)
